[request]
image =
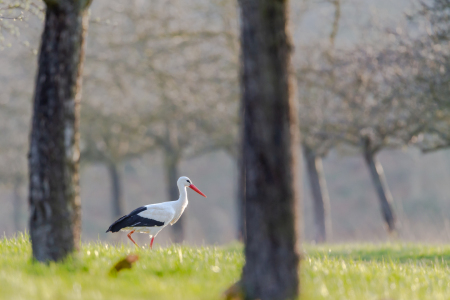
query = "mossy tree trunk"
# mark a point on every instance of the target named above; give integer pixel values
(54, 151)
(269, 137)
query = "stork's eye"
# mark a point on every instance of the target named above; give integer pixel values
(188, 181)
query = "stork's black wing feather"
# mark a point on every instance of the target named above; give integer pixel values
(134, 220)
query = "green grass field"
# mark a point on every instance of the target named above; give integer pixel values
(328, 272)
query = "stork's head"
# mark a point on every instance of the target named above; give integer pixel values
(185, 181)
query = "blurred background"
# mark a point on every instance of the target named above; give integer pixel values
(161, 100)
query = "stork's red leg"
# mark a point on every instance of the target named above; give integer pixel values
(129, 236)
(151, 243)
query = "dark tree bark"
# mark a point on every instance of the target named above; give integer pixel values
(118, 205)
(17, 204)
(319, 192)
(269, 137)
(381, 186)
(171, 162)
(54, 152)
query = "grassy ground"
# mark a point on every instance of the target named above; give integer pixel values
(332, 272)
(377, 272)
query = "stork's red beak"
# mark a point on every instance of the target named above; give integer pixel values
(197, 190)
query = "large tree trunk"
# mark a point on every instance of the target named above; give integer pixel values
(54, 152)
(17, 205)
(269, 136)
(319, 192)
(171, 162)
(381, 187)
(118, 205)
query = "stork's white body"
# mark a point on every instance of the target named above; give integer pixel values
(167, 212)
(152, 218)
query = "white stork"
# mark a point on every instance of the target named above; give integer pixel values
(153, 218)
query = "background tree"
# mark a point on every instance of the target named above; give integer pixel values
(111, 139)
(315, 109)
(376, 111)
(175, 99)
(54, 152)
(429, 54)
(269, 135)
(13, 147)
(12, 11)
(15, 116)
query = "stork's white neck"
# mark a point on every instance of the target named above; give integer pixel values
(183, 194)
(182, 202)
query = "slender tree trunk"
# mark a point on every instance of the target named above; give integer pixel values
(171, 162)
(269, 136)
(118, 205)
(319, 192)
(381, 187)
(54, 152)
(17, 205)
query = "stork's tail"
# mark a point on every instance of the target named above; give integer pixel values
(116, 226)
